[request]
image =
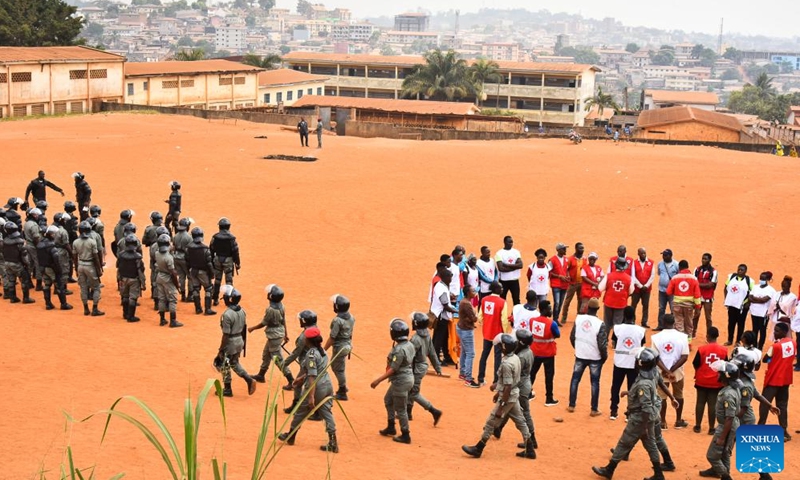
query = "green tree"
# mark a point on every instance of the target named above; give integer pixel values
(284, 49)
(38, 23)
(481, 72)
(631, 48)
(733, 55)
(764, 85)
(305, 8)
(175, 7)
(787, 67)
(93, 30)
(269, 62)
(663, 57)
(250, 21)
(443, 76)
(708, 57)
(185, 41)
(752, 101)
(697, 51)
(602, 101)
(731, 74)
(387, 50)
(266, 4)
(584, 55)
(190, 55)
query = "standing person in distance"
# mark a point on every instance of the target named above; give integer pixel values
(399, 372)
(784, 304)
(509, 264)
(673, 352)
(591, 276)
(443, 310)
(341, 339)
(761, 299)
(423, 352)
(684, 290)
(490, 314)
(181, 242)
(539, 275)
(167, 283)
(667, 268)
(627, 340)
(644, 273)
(737, 300)
(706, 380)
(545, 332)
(201, 272)
(559, 279)
(125, 218)
(707, 278)
(471, 277)
(574, 267)
(487, 272)
(234, 342)
(83, 195)
(590, 341)
(51, 269)
(779, 377)
(174, 206)
(302, 129)
(318, 130)
(224, 255)
(467, 318)
(90, 268)
(38, 188)
(130, 278)
(617, 287)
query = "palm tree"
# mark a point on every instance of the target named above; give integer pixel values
(602, 101)
(268, 62)
(444, 76)
(481, 72)
(764, 85)
(191, 55)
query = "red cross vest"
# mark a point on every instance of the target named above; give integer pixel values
(559, 268)
(617, 286)
(704, 376)
(643, 272)
(779, 369)
(544, 344)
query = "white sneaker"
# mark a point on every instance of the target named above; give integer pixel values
(612, 417)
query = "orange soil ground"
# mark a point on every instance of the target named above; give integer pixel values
(369, 219)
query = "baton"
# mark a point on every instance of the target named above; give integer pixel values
(434, 374)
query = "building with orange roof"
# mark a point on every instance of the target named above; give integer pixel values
(57, 80)
(285, 86)
(685, 123)
(207, 84)
(654, 99)
(550, 94)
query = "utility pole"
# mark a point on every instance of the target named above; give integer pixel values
(458, 15)
(719, 43)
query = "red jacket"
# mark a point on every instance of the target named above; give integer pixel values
(704, 376)
(685, 289)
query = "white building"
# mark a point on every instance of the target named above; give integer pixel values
(355, 32)
(408, 38)
(655, 99)
(231, 37)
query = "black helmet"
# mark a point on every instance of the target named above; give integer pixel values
(91, 221)
(728, 371)
(224, 223)
(126, 214)
(745, 362)
(129, 227)
(508, 343)
(84, 227)
(175, 185)
(10, 227)
(184, 224)
(131, 242)
(41, 205)
(231, 295)
(95, 210)
(78, 176)
(58, 217)
(13, 201)
(398, 329)
(524, 337)
(162, 230)
(275, 293)
(419, 321)
(340, 303)
(69, 206)
(307, 318)
(647, 359)
(155, 217)
(197, 232)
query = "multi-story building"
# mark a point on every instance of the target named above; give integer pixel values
(501, 51)
(286, 86)
(681, 81)
(57, 80)
(231, 37)
(547, 93)
(354, 32)
(655, 99)
(411, 22)
(408, 38)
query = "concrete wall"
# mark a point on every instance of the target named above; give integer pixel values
(247, 115)
(385, 130)
(690, 131)
(207, 91)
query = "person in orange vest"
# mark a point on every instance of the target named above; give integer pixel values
(574, 267)
(685, 292)
(591, 275)
(706, 380)
(618, 286)
(559, 281)
(643, 276)
(779, 377)
(490, 315)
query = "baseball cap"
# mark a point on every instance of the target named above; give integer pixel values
(667, 252)
(559, 246)
(593, 255)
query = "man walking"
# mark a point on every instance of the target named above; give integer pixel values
(707, 278)
(673, 351)
(509, 264)
(684, 290)
(234, 340)
(729, 400)
(302, 129)
(201, 271)
(559, 281)
(644, 273)
(341, 339)
(225, 256)
(590, 341)
(174, 203)
(574, 267)
(423, 348)
(83, 195)
(38, 188)
(667, 268)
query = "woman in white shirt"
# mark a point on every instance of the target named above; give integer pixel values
(760, 302)
(784, 304)
(471, 276)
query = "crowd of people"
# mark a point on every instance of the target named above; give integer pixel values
(467, 293)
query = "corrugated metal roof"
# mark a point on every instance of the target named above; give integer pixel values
(420, 107)
(286, 76)
(55, 55)
(134, 69)
(672, 96)
(673, 115)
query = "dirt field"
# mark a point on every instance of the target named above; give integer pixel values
(369, 220)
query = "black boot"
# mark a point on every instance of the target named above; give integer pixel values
(183, 297)
(287, 437)
(289, 379)
(404, 437)
(475, 450)
(259, 377)
(86, 311)
(62, 297)
(437, 415)
(155, 304)
(162, 318)
(132, 318)
(96, 312)
(409, 408)
(290, 407)
(710, 473)
(533, 439)
(208, 307)
(251, 384)
(607, 471)
(227, 392)
(341, 395)
(39, 285)
(26, 296)
(198, 308)
(315, 417)
(215, 293)
(125, 313)
(668, 465)
(12, 295)
(529, 452)
(332, 445)
(48, 302)
(389, 430)
(658, 474)
(174, 323)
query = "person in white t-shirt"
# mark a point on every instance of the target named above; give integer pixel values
(487, 272)
(760, 302)
(442, 308)
(673, 350)
(626, 340)
(539, 275)
(784, 304)
(737, 301)
(509, 264)
(521, 315)
(472, 277)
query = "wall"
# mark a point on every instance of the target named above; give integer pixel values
(385, 130)
(247, 115)
(692, 131)
(201, 90)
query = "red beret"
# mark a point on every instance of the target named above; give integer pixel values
(313, 332)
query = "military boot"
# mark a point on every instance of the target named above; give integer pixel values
(62, 297)
(710, 473)
(290, 379)
(404, 437)
(290, 407)
(162, 318)
(12, 295)
(259, 377)
(341, 395)
(96, 312)
(409, 409)
(198, 308)
(475, 450)
(437, 415)
(183, 297)
(658, 473)
(215, 293)
(26, 296)
(132, 318)
(39, 285)
(332, 445)
(48, 299)
(389, 430)
(724, 477)
(668, 465)
(155, 304)
(287, 437)
(529, 452)
(226, 391)
(174, 323)
(86, 311)
(125, 309)
(251, 384)
(607, 471)
(208, 307)
(535, 443)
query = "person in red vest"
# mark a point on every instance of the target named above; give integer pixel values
(559, 280)
(545, 332)
(643, 276)
(591, 275)
(707, 277)
(706, 380)
(618, 286)
(779, 377)
(574, 267)
(622, 251)
(490, 314)
(685, 292)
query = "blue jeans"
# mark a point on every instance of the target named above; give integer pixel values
(467, 352)
(663, 300)
(558, 301)
(595, 366)
(488, 346)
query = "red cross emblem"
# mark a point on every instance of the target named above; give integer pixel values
(734, 289)
(711, 359)
(586, 325)
(683, 286)
(541, 278)
(538, 329)
(668, 348)
(618, 286)
(523, 325)
(788, 350)
(628, 343)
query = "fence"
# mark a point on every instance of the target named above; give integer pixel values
(250, 116)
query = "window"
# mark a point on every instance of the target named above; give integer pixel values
(60, 108)
(187, 83)
(37, 109)
(19, 110)
(76, 107)
(299, 94)
(20, 77)
(169, 84)
(267, 98)
(289, 96)
(3, 78)
(279, 97)
(239, 80)
(130, 89)
(77, 74)
(225, 81)
(311, 91)
(100, 73)
(145, 85)
(319, 90)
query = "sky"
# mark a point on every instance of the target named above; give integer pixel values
(747, 17)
